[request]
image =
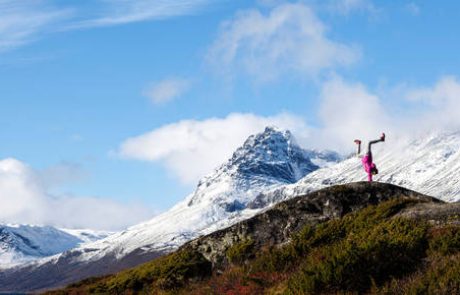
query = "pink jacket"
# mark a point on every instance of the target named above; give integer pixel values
(368, 165)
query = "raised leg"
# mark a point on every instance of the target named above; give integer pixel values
(369, 150)
(382, 139)
(358, 143)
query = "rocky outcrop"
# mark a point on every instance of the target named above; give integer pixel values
(434, 213)
(276, 224)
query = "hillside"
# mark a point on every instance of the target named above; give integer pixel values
(360, 237)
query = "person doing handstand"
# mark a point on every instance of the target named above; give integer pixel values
(368, 165)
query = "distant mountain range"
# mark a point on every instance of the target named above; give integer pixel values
(24, 243)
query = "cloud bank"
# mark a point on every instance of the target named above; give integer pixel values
(25, 199)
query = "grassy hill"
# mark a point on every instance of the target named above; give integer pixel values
(375, 239)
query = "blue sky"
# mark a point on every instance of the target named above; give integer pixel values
(130, 102)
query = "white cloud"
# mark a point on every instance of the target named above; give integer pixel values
(439, 105)
(349, 111)
(19, 194)
(289, 39)
(115, 12)
(166, 90)
(25, 199)
(190, 148)
(24, 21)
(62, 173)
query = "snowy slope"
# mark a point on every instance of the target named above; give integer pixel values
(24, 243)
(266, 161)
(87, 235)
(429, 164)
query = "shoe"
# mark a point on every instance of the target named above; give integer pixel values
(382, 137)
(357, 141)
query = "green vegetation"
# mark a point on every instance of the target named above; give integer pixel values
(240, 252)
(166, 273)
(361, 258)
(370, 251)
(445, 240)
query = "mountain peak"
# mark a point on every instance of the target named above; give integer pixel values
(270, 135)
(267, 159)
(273, 144)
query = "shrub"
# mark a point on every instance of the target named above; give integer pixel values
(445, 240)
(373, 249)
(165, 273)
(240, 252)
(440, 276)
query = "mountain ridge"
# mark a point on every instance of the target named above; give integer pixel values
(20, 243)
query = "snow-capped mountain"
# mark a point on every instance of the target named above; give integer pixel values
(429, 165)
(24, 243)
(268, 160)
